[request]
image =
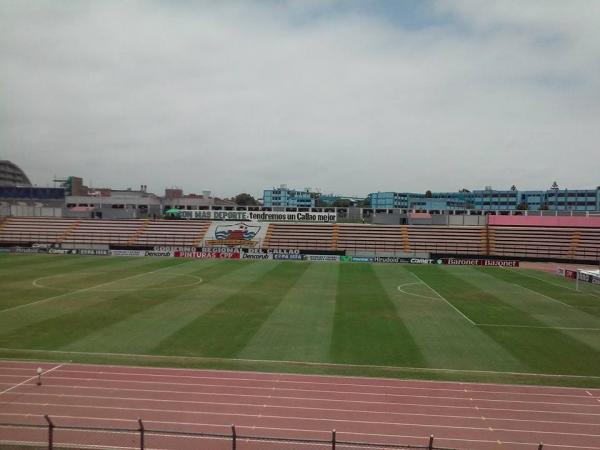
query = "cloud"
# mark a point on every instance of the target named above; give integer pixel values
(241, 96)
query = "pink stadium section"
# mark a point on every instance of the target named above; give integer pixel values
(546, 221)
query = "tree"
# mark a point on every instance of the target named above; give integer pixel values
(465, 191)
(523, 206)
(513, 188)
(245, 200)
(428, 194)
(555, 186)
(544, 207)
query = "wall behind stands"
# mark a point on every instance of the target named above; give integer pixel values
(30, 211)
(546, 221)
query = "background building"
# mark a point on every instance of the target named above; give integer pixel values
(12, 175)
(491, 200)
(285, 197)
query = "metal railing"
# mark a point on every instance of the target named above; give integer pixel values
(53, 435)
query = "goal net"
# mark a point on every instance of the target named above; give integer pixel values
(588, 281)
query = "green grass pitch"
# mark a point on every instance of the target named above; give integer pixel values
(437, 322)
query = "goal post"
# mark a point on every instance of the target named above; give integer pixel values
(588, 280)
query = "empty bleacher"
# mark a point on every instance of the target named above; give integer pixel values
(299, 236)
(411, 239)
(174, 233)
(33, 230)
(71, 232)
(545, 242)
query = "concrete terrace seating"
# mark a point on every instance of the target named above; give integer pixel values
(34, 230)
(299, 236)
(104, 232)
(458, 240)
(371, 238)
(545, 242)
(134, 232)
(172, 232)
(412, 238)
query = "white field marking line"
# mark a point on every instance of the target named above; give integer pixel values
(457, 389)
(545, 296)
(300, 375)
(555, 284)
(535, 327)
(326, 400)
(318, 391)
(195, 283)
(477, 417)
(88, 288)
(415, 295)
(35, 282)
(211, 425)
(302, 363)
(440, 296)
(308, 419)
(30, 379)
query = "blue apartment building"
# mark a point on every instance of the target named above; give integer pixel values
(291, 198)
(492, 200)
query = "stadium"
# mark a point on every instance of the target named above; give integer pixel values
(284, 327)
(299, 225)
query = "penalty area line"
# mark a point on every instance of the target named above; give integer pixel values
(444, 299)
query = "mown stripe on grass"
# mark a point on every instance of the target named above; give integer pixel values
(540, 349)
(228, 327)
(143, 331)
(367, 328)
(110, 307)
(579, 300)
(475, 303)
(58, 304)
(548, 350)
(444, 338)
(547, 310)
(300, 327)
(17, 283)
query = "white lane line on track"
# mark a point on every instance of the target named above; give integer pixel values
(305, 363)
(308, 408)
(433, 398)
(316, 391)
(334, 401)
(30, 379)
(86, 289)
(141, 375)
(444, 299)
(303, 431)
(312, 419)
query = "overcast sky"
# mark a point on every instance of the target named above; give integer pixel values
(343, 96)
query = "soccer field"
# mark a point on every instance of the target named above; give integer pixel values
(439, 322)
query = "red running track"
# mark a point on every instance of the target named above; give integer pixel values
(459, 415)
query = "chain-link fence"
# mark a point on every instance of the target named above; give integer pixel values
(55, 436)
